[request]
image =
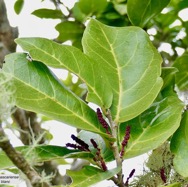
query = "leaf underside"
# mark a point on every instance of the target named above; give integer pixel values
(72, 59)
(37, 89)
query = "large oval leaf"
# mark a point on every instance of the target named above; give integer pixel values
(140, 12)
(179, 147)
(131, 63)
(153, 127)
(38, 90)
(71, 58)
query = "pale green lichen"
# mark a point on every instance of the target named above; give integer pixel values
(7, 99)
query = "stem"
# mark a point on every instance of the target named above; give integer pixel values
(19, 161)
(114, 128)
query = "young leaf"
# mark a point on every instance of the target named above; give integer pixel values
(153, 127)
(71, 58)
(48, 13)
(140, 12)
(18, 5)
(181, 64)
(179, 147)
(131, 63)
(90, 175)
(69, 30)
(38, 90)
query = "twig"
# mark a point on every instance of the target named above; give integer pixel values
(114, 128)
(20, 162)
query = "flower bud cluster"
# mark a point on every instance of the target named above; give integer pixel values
(130, 176)
(81, 145)
(163, 175)
(98, 157)
(102, 121)
(125, 141)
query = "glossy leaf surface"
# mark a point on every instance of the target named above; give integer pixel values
(181, 64)
(71, 58)
(37, 89)
(131, 63)
(153, 127)
(179, 147)
(140, 12)
(90, 175)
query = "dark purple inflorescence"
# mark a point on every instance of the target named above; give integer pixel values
(125, 140)
(130, 176)
(82, 146)
(98, 156)
(102, 121)
(163, 175)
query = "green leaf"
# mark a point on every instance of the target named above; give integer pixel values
(121, 8)
(168, 75)
(71, 58)
(48, 13)
(38, 90)
(90, 175)
(78, 14)
(37, 154)
(69, 30)
(90, 7)
(153, 127)
(18, 5)
(179, 147)
(140, 12)
(131, 63)
(181, 64)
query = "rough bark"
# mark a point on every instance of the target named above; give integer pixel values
(7, 34)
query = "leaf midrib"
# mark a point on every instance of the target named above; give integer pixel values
(129, 149)
(47, 54)
(118, 70)
(57, 102)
